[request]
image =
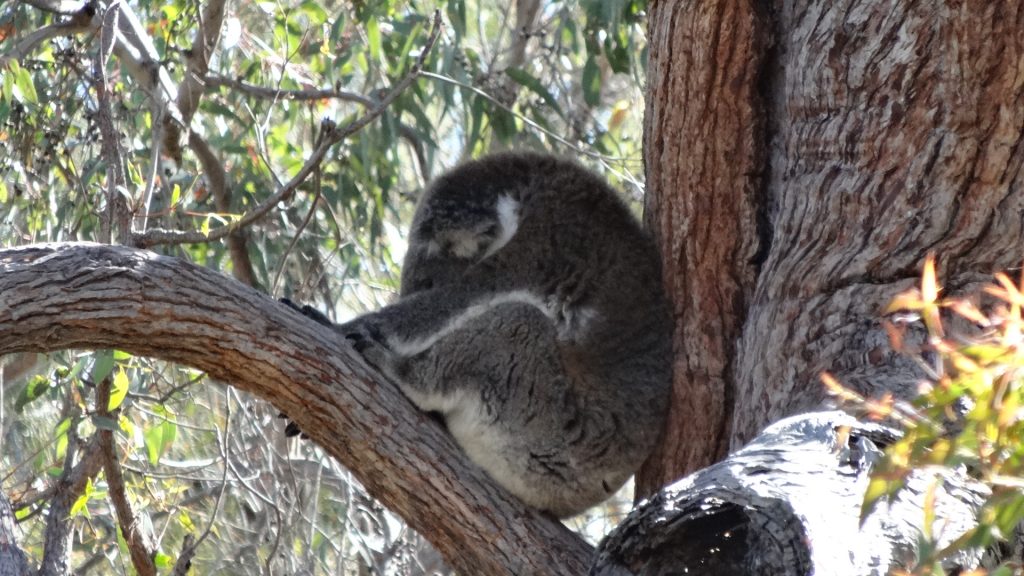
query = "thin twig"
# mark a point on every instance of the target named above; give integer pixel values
(217, 184)
(305, 222)
(188, 551)
(81, 21)
(139, 548)
(603, 159)
(218, 81)
(223, 440)
(117, 222)
(333, 136)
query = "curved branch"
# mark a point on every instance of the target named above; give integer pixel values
(62, 296)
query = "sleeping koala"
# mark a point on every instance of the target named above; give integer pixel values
(532, 319)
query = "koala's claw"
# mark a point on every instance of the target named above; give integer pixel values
(359, 341)
(361, 333)
(366, 339)
(309, 311)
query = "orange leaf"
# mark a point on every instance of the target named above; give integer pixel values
(969, 311)
(929, 285)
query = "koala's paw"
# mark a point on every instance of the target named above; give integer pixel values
(367, 339)
(307, 310)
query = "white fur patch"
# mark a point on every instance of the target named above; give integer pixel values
(413, 347)
(508, 221)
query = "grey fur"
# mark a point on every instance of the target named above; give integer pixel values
(533, 319)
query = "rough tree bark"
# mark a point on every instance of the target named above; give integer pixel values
(703, 135)
(96, 296)
(803, 157)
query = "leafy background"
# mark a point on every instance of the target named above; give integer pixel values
(198, 457)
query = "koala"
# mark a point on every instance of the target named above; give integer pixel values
(532, 319)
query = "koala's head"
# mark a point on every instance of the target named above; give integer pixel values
(454, 228)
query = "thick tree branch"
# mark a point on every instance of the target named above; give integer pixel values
(94, 296)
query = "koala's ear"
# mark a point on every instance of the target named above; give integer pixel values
(472, 238)
(464, 243)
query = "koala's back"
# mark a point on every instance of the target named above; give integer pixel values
(554, 370)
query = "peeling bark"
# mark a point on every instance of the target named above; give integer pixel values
(95, 296)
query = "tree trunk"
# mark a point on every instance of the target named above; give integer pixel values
(803, 158)
(96, 296)
(703, 146)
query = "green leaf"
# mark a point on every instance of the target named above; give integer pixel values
(170, 12)
(8, 79)
(118, 391)
(159, 437)
(476, 125)
(406, 60)
(34, 388)
(23, 82)
(314, 10)
(186, 521)
(103, 365)
(18, 83)
(457, 16)
(1009, 513)
(373, 39)
(503, 123)
(591, 82)
(80, 507)
(162, 560)
(526, 80)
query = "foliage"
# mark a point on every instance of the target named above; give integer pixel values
(198, 458)
(969, 417)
